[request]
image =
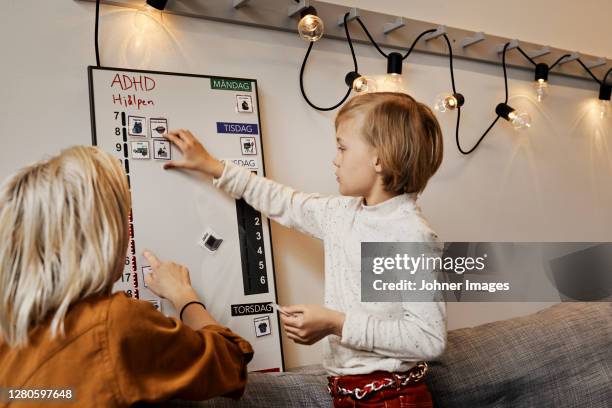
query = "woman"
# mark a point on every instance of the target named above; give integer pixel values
(63, 240)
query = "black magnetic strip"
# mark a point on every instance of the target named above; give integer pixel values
(254, 278)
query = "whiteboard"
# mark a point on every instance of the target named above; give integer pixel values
(180, 215)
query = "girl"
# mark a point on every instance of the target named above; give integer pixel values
(63, 240)
(388, 147)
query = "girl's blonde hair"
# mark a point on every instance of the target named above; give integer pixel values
(405, 133)
(63, 237)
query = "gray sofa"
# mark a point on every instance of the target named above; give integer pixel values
(557, 357)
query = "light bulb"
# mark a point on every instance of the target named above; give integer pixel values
(445, 102)
(146, 19)
(541, 87)
(520, 120)
(138, 41)
(364, 84)
(541, 80)
(360, 83)
(137, 50)
(392, 83)
(604, 108)
(310, 27)
(605, 92)
(143, 20)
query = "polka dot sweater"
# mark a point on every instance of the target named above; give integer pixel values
(389, 336)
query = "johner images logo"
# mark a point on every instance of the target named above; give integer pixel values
(486, 271)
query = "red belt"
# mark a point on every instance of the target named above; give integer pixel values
(360, 386)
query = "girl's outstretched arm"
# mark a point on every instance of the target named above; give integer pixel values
(308, 213)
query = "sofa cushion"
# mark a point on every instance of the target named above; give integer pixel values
(303, 387)
(558, 357)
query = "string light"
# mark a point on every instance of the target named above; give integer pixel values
(605, 91)
(453, 101)
(447, 102)
(541, 81)
(393, 81)
(520, 120)
(311, 26)
(355, 69)
(360, 83)
(394, 63)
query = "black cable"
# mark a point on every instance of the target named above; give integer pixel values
(369, 36)
(526, 56)
(583, 66)
(452, 73)
(605, 78)
(350, 43)
(96, 34)
(356, 69)
(589, 71)
(344, 98)
(417, 40)
(466, 152)
(558, 61)
(600, 82)
(450, 54)
(506, 92)
(479, 140)
(505, 73)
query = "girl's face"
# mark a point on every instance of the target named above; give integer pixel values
(355, 161)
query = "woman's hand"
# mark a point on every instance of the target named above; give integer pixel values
(195, 156)
(307, 324)
(170, 281)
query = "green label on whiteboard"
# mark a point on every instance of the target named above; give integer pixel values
(229, 84)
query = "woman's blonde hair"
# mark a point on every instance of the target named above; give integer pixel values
(405, 133)
(63, 237)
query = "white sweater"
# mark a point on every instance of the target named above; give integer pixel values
(376, 335)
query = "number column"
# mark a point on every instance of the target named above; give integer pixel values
(252, 250)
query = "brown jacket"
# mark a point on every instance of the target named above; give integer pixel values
(118, 351)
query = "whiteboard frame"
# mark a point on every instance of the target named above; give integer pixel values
(94, 142)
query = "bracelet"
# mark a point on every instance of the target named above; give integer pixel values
(187, 304)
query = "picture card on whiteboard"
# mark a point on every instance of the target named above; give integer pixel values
(137, 126)
(244, 103)
(248, 147)
(161, 150)
(140, 150)
(159, 127)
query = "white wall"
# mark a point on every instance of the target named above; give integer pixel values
(552, 183)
